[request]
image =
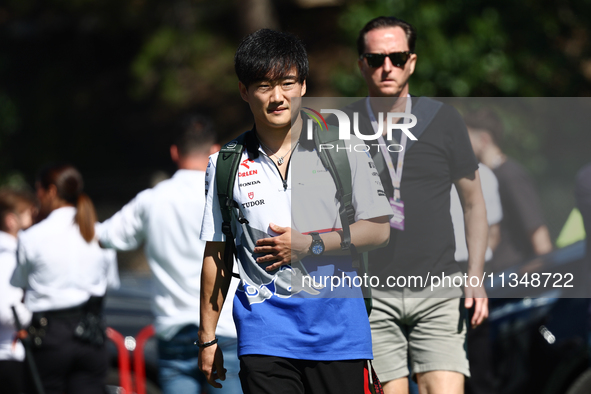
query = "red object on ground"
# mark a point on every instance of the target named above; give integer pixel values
(139, 363)
(124, 369)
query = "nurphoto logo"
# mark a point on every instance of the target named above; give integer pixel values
(345, 128)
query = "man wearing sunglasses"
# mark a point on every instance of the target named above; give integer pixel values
(411, 322)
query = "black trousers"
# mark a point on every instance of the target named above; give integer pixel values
(67, 365)
(12, 374)
(272, 375)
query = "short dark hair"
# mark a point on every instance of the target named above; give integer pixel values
(387, 21)
(269, 54)
(487, 120)
(195, 135)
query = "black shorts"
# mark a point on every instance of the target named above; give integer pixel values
(271, 375)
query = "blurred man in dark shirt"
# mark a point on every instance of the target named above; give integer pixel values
(523, 233)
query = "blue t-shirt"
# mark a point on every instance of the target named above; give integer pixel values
(306, 310)
(329, 325)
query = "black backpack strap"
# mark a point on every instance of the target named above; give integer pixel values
(336, 162)
(425, 110)
(225, 175)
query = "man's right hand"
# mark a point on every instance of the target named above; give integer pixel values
(211, 363)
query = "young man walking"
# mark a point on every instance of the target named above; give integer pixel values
(292, 337)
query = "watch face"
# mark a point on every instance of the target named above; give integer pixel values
(317, 249)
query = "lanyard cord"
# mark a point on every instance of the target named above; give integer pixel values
(395, 173)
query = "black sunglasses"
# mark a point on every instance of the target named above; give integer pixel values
(377, 59)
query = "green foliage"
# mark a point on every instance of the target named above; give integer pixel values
(498, 49)
(8, 116)
(178, 65)
(14, 180)
(483, 47)
(100, 82)
(9, 123)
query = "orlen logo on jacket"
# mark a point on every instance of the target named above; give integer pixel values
(245, 163)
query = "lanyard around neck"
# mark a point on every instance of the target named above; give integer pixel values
(395, 172)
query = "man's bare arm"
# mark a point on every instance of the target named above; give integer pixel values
(470, 193)
(494, 236)
(215, 280)
(366, 235)
(291, 245)
(540, 241)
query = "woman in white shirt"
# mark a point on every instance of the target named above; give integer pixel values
(65, 274)
(16, 213)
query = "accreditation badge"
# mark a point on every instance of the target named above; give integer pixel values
(397, 221)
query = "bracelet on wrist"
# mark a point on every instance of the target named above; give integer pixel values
(207, 344)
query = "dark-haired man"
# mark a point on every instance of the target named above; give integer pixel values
(523, 232)
(292, 338)
(168, 219)
(413, 322)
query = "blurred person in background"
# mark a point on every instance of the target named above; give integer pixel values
(478, 341)
(16, 214)
(583, 199)
(494, 214)
(523, 233)
(168, 219)
(479, 352)
(65, 275)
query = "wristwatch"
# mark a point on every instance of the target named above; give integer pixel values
(317, 247)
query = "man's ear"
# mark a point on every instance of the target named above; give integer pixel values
(303, 88)
(412, 63)
(174, 153)
(243, 91)
(485, 138)
(360, 65)
(52, 191)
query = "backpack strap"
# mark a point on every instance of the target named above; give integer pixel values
(425, 110)
(336, 162)
(225, 175)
